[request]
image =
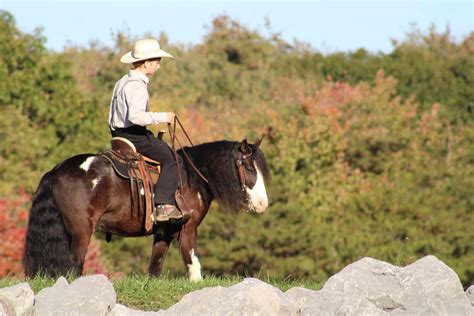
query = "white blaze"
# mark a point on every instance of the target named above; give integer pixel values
(95, 182)
(258, 194)
(194, 268)
(87, 163)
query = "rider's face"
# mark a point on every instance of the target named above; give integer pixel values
(152, 66)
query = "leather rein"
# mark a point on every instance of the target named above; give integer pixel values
(174, 139)
(239, 161)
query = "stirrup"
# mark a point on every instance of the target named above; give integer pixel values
(167, 212)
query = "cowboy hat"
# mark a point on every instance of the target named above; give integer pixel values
(144, 49)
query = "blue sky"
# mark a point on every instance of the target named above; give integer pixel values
(327, 26)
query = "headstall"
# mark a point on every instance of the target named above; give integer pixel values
(241, 170)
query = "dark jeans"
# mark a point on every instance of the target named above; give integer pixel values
(147, 144)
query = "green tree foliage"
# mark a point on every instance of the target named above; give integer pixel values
(21, 145)
(45, 117)
(356, 172)
(371, 154)
(436, 69)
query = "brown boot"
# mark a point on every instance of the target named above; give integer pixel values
(167, 212)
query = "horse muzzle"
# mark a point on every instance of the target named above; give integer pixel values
(257, 204)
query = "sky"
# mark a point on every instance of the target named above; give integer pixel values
(327, 26)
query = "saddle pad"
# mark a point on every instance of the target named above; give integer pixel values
(120, 166)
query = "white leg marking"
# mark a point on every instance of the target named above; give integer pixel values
(87, 163)
(258, 194)
(142, 192)
(95, 182)
(194, 268)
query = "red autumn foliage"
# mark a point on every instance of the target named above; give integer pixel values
(13, 223)
(92, 264)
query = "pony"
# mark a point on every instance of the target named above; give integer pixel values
(84, 193)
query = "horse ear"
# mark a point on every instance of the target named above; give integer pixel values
(244, 145)
(259, 142)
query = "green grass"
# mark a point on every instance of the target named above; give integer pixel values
(144, 293)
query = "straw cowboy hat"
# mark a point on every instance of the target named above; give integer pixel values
(144, 49)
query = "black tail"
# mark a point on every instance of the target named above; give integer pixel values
(48, 244)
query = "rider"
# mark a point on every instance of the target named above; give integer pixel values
(129, 116)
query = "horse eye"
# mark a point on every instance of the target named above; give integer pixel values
(249, 168)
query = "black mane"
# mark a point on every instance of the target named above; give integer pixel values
(217, 162)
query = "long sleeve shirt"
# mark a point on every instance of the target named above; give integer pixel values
(129, 103)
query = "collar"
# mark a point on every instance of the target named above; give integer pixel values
(139, 75)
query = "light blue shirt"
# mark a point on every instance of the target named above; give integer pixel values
(129, 103)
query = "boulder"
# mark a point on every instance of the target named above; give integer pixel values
(249, 297)
(121, 310)
(6, 306)
(366, 287)
(20, 297)
(337, 303)
(293, 299)
(470, 294)
(89, 295)
(371, 286)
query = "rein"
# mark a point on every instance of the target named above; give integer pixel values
(239, 161)
(174, 138)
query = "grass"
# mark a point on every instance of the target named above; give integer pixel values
(144, 293)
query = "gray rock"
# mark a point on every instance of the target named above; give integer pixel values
(293, 299)
(370, 286)
(20, 296)
(89, 295)
(6, 307)
(337, 303)
(61, 284)
(121, 310)
(434, 287)
(249, 297)
(366, 287)
(470, 294)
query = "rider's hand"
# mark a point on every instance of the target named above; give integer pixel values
(170, 117)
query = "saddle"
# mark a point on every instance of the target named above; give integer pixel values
(143, 173)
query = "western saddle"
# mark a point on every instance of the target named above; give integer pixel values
(143, 173)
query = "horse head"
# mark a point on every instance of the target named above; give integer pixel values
(252, 170)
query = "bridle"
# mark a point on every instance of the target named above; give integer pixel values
(239, 161)
(241, 171)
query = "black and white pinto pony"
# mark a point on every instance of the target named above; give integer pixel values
(83, 193)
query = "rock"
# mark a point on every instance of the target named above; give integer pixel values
(434, 287)
(89, 295)
(121, 310)
(370, 286)
(366, 287)
(337, 303)
(470, 294)
(6, 307)
(61, 284)
(249, 297)
(20, 296)
(293, 299)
